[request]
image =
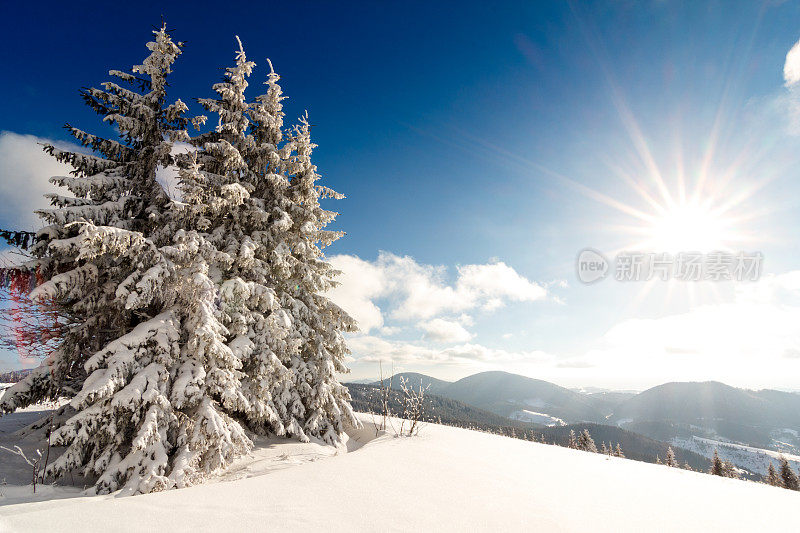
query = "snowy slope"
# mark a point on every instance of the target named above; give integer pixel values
(753, 459)
(445, 479)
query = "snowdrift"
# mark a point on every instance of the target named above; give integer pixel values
(444, 479)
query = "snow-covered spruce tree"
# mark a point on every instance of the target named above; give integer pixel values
(789, 479)
(116, 187)
(586, 443)
(151, 415)
(153, 411)
(291, 347)
(671, 461)
(772, 476)
(317, 322)
(233, 206)
(717, 466)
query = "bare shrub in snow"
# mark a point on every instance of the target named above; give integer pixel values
(413, 406)
(33, 463)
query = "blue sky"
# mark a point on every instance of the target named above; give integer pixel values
(473, 137)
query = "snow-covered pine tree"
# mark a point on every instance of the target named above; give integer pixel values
(187, 358)
(618, 451)
(729, 470)
(789, 479)
(573, 441)
(671, 461)
(289, 347)
(302, 276)
(586, 443)
(717, 466)
(116, 187)
(153, 411)
(238, 162)
(772, 476)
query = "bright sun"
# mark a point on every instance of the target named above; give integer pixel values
(687, 228)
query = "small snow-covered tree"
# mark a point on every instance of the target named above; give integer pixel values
(789, 479)
(717, 466)
(671, 461)
(586, 443)
(772, 476)
(573, 441)
(618, 451)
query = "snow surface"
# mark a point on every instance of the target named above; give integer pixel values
(445, 479)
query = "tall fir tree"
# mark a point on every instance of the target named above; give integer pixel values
(154, 410)
(191, 316)
(318, 322)
(290, 353)
(116, 187)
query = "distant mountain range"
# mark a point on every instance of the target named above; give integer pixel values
(764, 419)
(366, 399)
(511, 395)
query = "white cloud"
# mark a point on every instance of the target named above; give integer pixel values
(24, 173)
(496, 281)
(447, 331)
(791, 69)
(360, 283)
(465, 320)
(415, 291)
(373, 349)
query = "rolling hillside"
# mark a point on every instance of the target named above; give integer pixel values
(366, 398)
(712, 409)
(505, 394)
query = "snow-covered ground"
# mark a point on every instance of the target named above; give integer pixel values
(524, 415)
(755, 460)
(445, 479)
